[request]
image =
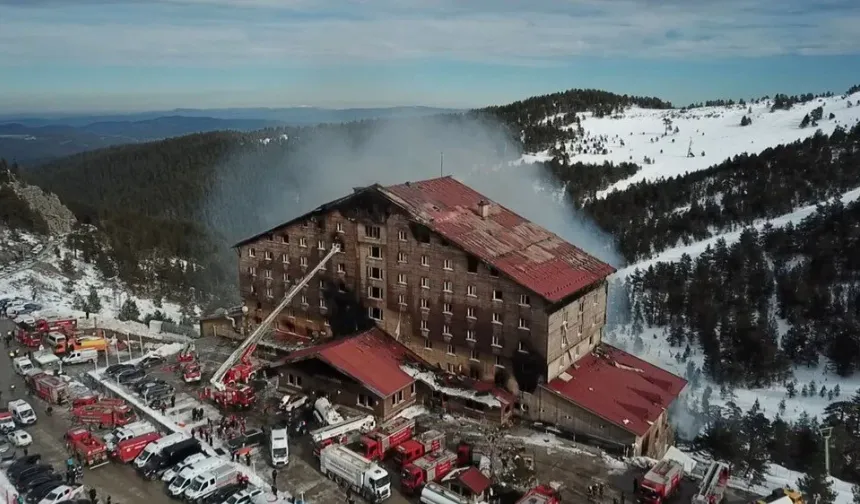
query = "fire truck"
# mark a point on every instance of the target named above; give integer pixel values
(342, 432)
(89, 448)
(190, 372)
(49, 387)
(713, 486)
(228, 386)
(377, 444)
(128, 449)
(106, 413)
(28, 336)
(431, 467)
(423, 444)
(661, 482)
(542, 494)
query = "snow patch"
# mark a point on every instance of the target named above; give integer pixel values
(429, 378)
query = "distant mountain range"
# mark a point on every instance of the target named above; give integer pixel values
(33, 140)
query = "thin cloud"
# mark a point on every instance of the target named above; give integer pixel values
(321, 32)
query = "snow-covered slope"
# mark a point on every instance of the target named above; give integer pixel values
(713, 134)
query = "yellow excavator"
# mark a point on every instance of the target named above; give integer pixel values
(782, 496)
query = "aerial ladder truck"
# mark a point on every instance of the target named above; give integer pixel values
(714, 484)
(229, 385)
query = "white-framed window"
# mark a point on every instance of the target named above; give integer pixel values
(304, 299)
(424, 325)
(322, 303)
(525, 300)
(523, 323)
(269, 292)
(285, 238)
(446, 330)
(252, 252)
(321, 285)
(499, 362)
(401, 299)
(448, 265)
(428, 344)
(425, 261)
(497, 318)
(267, 273)
(320, 244)
(339, 227)
(286, 278)
(375, 252)
(303, 242)
(470, 312)
(472, 291)
(303, 261)
(401, 257)
(448, 286)
(425, 283)
(294, 380)
(497, 341)
(447, 308)
(401, 235)
(521, 347)
(470, 335)
(450, 368)
(451, 350)
(474, 355)
(341, 268)
(374, 273)
(498, 295)
(374, 292)
(285, 259)
(374, 313)
(268, 255)
(252, 271)
(425, 304)
(365, 401)
(401, 278)
(372, 232)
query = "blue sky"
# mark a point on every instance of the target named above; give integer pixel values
(118, 55)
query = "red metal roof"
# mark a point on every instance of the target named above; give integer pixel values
(529, 254)
(372, 358)
(474, 480)
(619, 387)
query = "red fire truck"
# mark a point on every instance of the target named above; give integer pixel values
(49, 387)
(106, 413)
(661, 482)
(422, 444)
(430, 467)
(542, 494)
(89, 448)
(129, 449)
(376, 444)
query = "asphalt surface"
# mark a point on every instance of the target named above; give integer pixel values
(114, 479)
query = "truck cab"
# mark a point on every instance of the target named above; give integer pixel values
(22, 365)
(7, 423)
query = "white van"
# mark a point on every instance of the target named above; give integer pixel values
(155, 447)
(81, 356)
(128, 431)
(22, 412)
(55, 339)
(181, 482)
(47, 360)
(279, 447)
(21, 365)
(171, 473)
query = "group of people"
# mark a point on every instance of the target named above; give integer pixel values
(74, 472)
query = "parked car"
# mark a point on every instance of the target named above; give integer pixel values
(150, 381)
(19, 438)
(115, 370)
(62, 493)
(131, 376)
(158, 391)
(40, 492)
(150, 361)
(222, 494)
(252, 438)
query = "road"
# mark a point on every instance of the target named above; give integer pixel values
(115, 480)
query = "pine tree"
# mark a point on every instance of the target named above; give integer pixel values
(855, 489)
(781, 408)
(791, 389)
(129, 310)
(815, 483)
(823, 391)
(94, 302)
(837, 390)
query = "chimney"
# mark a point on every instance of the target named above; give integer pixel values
(484, 209)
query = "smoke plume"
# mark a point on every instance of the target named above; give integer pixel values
(255, 192)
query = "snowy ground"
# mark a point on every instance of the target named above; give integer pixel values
(43, 282)
(716, 131)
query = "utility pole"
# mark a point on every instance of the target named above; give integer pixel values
(441, 163)
(826, 432)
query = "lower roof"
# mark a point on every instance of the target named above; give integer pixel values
(619, 387)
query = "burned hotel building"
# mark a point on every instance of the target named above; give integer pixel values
(472, 289)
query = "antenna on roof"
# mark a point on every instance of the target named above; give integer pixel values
(441, 163)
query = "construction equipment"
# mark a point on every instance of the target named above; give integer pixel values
(431, 467)
(782, 496)
(238, 368)
(378, 443)
(357, 473)
(106, 413)
(423, 444)
(714, 483)
(542, 494)
(661, 482)
(340, 432)
(89, 448)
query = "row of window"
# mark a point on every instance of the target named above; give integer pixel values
(375, 273)
(377, 314)
(303, 261)
(474, 355)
